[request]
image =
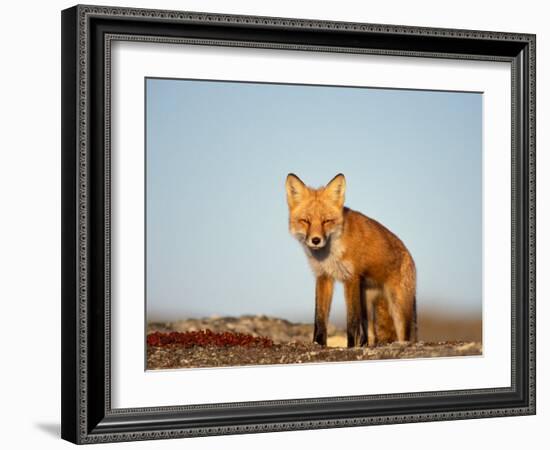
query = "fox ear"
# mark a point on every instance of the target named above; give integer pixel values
(295, 190)
(336, 189)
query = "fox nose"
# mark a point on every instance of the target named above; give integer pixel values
(315, 240)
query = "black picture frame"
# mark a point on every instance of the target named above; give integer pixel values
(87, 416)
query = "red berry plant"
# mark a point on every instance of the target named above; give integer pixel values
(206, 338)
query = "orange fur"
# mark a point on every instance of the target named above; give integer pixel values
(377, 270)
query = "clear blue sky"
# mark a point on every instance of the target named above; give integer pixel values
(217, 222)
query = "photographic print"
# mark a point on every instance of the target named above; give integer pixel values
(272, 204)
(296, 224)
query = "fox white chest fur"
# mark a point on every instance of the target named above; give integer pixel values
(328, 261)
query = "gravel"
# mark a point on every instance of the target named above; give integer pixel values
(177, 357)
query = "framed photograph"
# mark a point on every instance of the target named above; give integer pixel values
(280, 224)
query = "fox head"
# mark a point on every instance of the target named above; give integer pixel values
(315, 214)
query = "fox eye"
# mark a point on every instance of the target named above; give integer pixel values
(304, 221)
(328, 221)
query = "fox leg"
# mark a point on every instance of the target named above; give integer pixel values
(371, 297)
(368, 316)
(365, 339)
(401, 310)
(352, 293)
(324, 287)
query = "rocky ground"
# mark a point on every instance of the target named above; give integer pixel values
(291, 343)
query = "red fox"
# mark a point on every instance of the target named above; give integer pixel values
(377, 270)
